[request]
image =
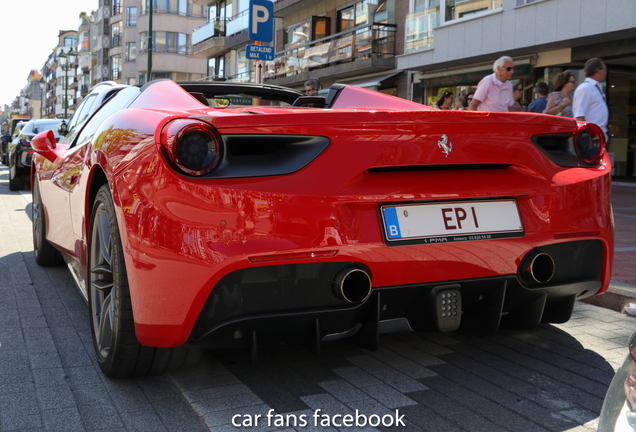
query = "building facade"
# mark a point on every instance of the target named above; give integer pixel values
(453, 43)
(331, 40)
(415, 49)
(122, 41)
(59, 92)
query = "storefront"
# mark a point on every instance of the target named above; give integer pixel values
(464, 80)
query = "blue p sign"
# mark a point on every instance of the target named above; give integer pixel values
(261, 25)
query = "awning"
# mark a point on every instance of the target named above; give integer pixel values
(375, 82)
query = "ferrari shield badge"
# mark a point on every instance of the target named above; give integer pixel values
(446, 146)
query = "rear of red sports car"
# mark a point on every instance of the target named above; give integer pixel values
(263, 225)
(306, 219)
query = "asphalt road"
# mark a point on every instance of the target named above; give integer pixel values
(552, 378)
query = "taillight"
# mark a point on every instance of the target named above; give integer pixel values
(193, 146)
(589, 143)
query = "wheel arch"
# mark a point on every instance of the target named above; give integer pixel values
(97, 180)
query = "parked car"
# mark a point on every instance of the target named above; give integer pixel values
(12, 133)
(232, 215)
(19, 151)
(6, 139)
(619, 407)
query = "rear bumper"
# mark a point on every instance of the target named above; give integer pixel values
(294, 303)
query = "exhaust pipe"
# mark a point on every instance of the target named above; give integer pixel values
(352, 285)
(541, 268)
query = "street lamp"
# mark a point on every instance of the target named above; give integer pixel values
(66, 61)
(42, 87)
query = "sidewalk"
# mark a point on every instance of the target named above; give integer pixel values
(622, 290)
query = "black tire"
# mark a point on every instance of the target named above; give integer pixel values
(119, 353)
(15, 183)
(45, 253)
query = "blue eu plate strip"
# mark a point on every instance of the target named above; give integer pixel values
(391, 222)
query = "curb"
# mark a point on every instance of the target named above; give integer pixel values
(617, 297)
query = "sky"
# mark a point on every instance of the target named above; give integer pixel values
(29, 31)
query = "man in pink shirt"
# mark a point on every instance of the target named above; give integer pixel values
(494, 92)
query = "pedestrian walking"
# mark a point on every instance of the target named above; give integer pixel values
(589, 99)
(494, 92)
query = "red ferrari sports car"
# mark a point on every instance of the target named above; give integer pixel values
(237, 215)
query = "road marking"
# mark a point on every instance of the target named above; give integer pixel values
(625, 249)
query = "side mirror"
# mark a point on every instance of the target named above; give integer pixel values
(44, 141)
(62, 128)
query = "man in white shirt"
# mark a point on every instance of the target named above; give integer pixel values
(589, 100)
(494, 92)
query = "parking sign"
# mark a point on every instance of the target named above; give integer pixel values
(261, 25)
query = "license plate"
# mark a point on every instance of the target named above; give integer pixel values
(452, 221)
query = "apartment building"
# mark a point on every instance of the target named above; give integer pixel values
(122, 40)
(59, 96)
(332, 40)
(453, 43)
(415, 48)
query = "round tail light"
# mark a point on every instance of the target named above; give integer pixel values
(589, 143)
(193, 146)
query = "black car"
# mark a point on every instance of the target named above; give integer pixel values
(14, 130)
(65, 132)
(19, 151)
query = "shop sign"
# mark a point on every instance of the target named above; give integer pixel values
(469, 78)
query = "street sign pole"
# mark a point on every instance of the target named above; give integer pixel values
(258, 72)
(260, 29)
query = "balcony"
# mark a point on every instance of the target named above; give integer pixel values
(365, 49)
(213, 28)
(238, 23)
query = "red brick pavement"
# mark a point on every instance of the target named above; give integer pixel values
(624, 204)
